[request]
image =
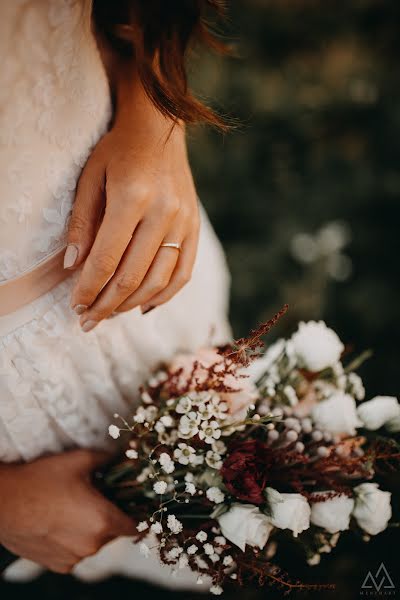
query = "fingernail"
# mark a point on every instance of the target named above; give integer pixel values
(79, 308)
(147, 310)
(89, 325)
(70, 256)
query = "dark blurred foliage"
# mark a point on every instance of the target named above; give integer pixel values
(315, 86)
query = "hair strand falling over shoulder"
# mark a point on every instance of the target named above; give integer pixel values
(159, 35)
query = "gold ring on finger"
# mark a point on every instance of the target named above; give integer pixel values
(174, 245)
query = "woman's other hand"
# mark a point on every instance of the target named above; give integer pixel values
(51, 513)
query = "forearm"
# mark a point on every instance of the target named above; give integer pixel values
(131, 102)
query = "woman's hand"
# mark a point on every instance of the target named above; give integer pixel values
(138, 180)
(51, 514)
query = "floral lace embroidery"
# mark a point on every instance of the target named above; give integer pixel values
(54, 106)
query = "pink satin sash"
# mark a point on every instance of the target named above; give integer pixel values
(29, 286)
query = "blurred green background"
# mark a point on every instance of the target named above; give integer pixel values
(304, 195)
(316, 90)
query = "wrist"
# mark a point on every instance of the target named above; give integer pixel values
(150, 134)
(133, 107)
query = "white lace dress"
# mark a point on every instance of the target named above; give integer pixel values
(58, 386)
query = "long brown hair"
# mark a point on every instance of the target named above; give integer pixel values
(159, 33)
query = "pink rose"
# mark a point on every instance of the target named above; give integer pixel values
(244, 392)
(206, 357)
(239, 400)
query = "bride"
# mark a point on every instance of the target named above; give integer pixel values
(107, 263)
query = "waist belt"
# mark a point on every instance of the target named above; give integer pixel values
(29, 286)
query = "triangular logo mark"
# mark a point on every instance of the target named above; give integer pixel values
(381, 580)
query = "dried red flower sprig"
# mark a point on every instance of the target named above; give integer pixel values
(247, 349)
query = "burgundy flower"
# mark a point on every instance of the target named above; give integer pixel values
(245, 470)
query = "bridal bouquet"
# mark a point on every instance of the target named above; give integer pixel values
(230, 451)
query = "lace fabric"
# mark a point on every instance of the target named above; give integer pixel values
(54, 107)
(59, 387)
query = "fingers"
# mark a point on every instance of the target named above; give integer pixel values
(156, 280)
(121, 524)
(86, 212)
(55, 557)
(59, 562)
(112, 239)
(130, 273)
(180, 277)
(105, 522)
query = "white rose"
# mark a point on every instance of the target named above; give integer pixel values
(288, 511)
(372, 509)
(332, 514)
(337, 414)
(316, 346)
(244, 524)
(378, 411)
(393, 425)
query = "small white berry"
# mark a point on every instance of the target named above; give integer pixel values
(291, 435)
